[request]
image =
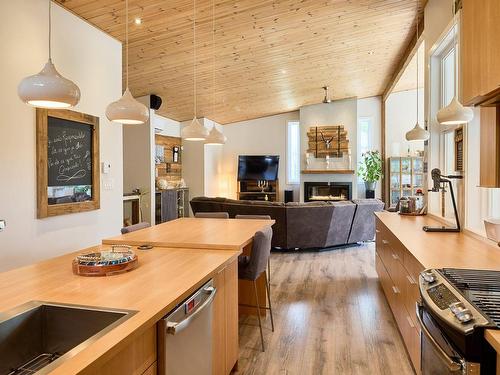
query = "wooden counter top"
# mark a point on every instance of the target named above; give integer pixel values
(438, 250)
(164, 278)
(232, 234)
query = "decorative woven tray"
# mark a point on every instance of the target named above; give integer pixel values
(118, 259)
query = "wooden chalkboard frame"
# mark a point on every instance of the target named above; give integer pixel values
(43, 208)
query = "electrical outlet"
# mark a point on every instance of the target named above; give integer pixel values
(3, 224)
(108, 184)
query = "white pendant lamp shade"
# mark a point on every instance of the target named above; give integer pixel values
(127, 110)
(48, 89)
(194, 131)
(215, 137)
(454, 113)
(417, 134)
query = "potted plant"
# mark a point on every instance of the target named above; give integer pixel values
(370, 169)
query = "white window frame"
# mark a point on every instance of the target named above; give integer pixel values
(293, 153)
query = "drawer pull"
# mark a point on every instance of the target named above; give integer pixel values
(394, 256)
(395, 289)
(385, 242)
(410, 321)
(410, 279)
(377, 231)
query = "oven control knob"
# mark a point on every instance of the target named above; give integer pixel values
(428, 276)
(457, 308)
(465, 316)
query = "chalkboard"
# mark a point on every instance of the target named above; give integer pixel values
(69, 152)
(67, 162)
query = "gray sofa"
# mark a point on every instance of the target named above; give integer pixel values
(305, 225)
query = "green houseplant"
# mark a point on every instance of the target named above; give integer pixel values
(370, 169)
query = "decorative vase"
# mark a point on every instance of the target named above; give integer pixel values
(370, 185)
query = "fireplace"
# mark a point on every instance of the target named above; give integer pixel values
(327, 191)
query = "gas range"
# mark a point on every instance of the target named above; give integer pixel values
(457, 306)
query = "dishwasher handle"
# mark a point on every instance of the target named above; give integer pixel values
(176, 327)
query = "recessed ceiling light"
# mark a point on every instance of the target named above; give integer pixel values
(137, 21)
(283, 71)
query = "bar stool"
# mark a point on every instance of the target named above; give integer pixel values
(212, 215)
(134, 227)
(259, 217)
(252, 267)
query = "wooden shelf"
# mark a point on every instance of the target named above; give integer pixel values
(327, 171)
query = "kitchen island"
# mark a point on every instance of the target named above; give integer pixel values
(403, 250)
(209, 234)
(164, 278)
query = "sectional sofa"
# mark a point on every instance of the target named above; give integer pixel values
(305, 225)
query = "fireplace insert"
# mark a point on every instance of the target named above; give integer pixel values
(327, 191)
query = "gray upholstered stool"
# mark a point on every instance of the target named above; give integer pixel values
(134, 227)
(259, 217)
(253, 266)
(212, 215)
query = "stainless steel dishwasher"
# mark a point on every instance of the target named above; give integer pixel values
(185, 336)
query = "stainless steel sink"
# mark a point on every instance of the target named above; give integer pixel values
(39, 336)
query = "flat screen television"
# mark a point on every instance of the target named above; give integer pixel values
(258, 167)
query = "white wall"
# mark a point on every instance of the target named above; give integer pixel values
(400, 117)
(138, 162)
(340, 112)
(202, 164)
(93, 61)
(262, 136)
(371, 108)
(169, 127)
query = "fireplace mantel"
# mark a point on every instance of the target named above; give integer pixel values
(327, 171)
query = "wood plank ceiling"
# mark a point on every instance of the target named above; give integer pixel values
(270, 56)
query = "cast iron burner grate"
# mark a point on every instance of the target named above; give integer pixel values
(35, 364)
(481, 287)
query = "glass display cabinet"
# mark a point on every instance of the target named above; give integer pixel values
(406, 176)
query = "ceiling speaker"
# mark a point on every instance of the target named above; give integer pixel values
(154, 102)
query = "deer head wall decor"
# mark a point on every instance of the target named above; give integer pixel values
(328, 142)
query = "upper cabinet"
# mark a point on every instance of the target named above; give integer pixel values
(480, 54)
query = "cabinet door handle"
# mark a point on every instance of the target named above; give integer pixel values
(385, 242)
(410, 321)
(410, 279)
(395, 289)
(394, 256)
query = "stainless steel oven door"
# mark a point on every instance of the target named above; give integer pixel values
(438, 356)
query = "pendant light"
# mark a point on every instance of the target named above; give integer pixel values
(194, 131)
(48, 88)
(455, 113)
(418, 133)
(215, 137)
(127, 110)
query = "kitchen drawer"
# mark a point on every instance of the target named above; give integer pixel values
(385, 280)
(411, 336)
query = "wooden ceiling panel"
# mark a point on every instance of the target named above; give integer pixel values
(270, 56)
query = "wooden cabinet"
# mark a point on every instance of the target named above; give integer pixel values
(137, 358)
(489, 175)
(225, 324)
(480, 53)
(398, 271)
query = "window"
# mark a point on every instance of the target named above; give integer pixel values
(365, 135)
(448, 80)
(364, 138)
(293, 153)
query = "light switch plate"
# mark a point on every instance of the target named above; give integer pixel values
(3, 224)
(108, 184)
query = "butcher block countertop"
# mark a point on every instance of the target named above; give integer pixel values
(439, 250)
(196, 233)
(164, 278)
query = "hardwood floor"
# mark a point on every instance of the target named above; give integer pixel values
(331, 317)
